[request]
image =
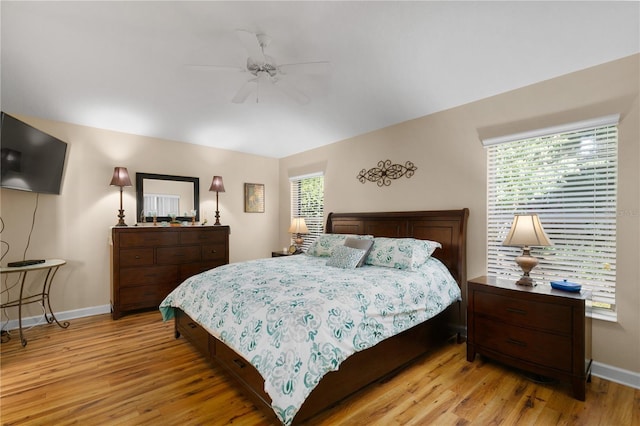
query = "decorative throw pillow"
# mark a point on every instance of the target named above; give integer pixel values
(360, 244)
(325, 243)
(401, 253)
(346, 257)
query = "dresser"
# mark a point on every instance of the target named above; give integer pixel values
(147, 263)
(536, 329)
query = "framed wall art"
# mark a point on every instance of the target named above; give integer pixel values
(254, 198)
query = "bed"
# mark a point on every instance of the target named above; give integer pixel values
(307, 370)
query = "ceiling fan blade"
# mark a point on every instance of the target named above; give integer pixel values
(291, 91)
(244, 92)
(316, 67)
(251, 43)
(226, 68)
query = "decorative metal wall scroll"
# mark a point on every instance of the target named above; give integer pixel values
(386, 171)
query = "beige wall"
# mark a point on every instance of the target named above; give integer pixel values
(451, 173)
(76, 224)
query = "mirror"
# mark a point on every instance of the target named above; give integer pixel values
(165, 195)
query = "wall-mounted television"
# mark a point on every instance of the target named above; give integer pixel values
(31, 159)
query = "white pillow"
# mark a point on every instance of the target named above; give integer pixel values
(325, 243)
(401, 253)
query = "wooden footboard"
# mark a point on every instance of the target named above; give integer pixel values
(358, 371)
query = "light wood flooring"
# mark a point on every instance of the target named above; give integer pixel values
(133, 372)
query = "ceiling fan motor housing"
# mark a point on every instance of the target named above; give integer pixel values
(268, 66)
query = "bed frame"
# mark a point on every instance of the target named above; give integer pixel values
(445, 226)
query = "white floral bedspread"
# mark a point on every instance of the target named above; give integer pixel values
(296, 319)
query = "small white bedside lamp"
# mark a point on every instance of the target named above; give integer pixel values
(526, 231)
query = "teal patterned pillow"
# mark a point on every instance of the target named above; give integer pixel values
(401, 253)
(324, 245)
(346, 257)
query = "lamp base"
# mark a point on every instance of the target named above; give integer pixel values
(526, 263)
(121, 219)
(526, 281)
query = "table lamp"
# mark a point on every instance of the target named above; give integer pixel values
(298, 227)
(526, 231)
(120, 178)
(217, 186)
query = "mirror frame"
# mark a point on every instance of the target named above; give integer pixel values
(140, 177)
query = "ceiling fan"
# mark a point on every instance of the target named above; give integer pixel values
(265, 70)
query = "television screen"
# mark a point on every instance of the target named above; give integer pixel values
(31, 160)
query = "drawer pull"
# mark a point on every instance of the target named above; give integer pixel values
(137, 257)
(213, 251)
(517, 311)
(516, 342)
(239, 363)
(192, 325)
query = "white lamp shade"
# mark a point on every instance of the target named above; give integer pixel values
(298, 226)
(527, 231)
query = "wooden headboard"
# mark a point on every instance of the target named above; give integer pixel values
(448, 227)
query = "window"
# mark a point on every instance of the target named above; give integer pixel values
(307, 201)
(569, 178)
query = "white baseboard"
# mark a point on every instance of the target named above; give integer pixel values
(615, 374)
(61, 316)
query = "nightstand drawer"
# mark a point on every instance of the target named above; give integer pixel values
(528, 345)
(522, 312)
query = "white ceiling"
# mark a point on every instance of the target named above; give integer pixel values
(123, 65)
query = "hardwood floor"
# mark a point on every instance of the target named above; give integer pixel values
(133, 371)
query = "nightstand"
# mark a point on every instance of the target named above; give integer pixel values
(280, 253)
(537, 329)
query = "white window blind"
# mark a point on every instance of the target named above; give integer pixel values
(307, 201)
(570, 180)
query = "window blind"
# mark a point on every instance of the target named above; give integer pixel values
(570, 180)
(307, 201)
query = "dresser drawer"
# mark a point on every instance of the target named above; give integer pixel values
(148, 239)
(136, 257)
(214, 251)
(208, 236)
(139, 297)
(546, 349)
(521, 312)
(161, 275)
(178, 255)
